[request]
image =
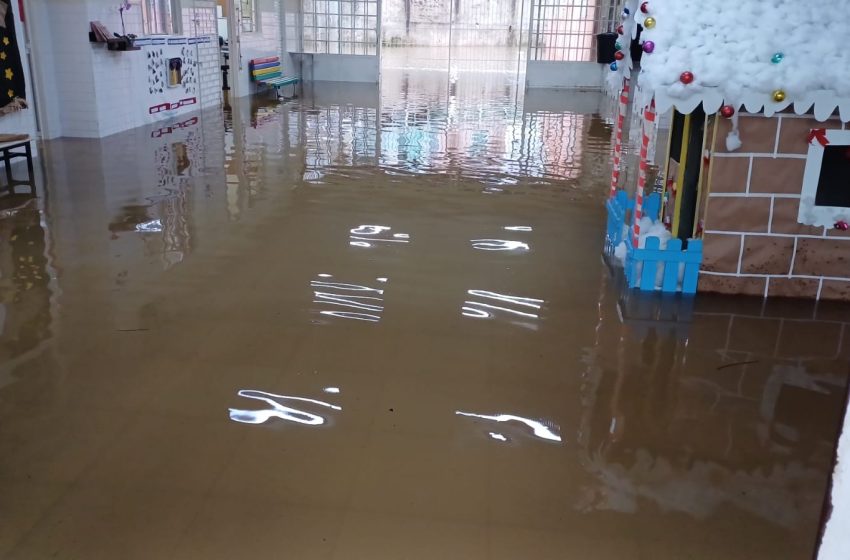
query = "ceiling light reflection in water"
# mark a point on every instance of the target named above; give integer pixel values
(278, 409)
(368, 235)
(499, 245)
(546, 431)
(348, 301)
(493, 303)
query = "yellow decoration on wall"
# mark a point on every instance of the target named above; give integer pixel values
(2, 56)
(10, 93)
(6, 41)
(9, 73)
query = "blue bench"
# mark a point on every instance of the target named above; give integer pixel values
(268, 72)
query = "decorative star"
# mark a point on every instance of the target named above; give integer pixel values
(10, 93)
(6, 41)
(2, 56)
(9, 73)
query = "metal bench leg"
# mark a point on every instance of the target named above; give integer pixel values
(30, 170)
(10, 183)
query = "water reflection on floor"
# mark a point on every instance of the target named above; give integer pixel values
(377, 326)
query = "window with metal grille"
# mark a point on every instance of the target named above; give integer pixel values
(565, 30)
(248, 15)
(160, 17)
(340, 26)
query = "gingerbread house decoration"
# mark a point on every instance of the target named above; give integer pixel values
(756, 170)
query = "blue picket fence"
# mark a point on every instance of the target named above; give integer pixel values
(644, 266)
(620, 208)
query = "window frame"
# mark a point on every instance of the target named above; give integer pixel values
(154, 22)
(810, 213)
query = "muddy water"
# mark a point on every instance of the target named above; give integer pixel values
(362, 326)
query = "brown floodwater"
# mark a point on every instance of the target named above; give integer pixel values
(378, 326)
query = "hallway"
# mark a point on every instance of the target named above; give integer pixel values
(368, 325)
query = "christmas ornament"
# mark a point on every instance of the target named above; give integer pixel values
(779, 96)
(686, 78)
(618, 46)
(613, 66)
(619, 55)
(626, 11)
(620, 29)
(649, 22)
(727, 111)
(648, 47)
(777, 58)
(644, 7)
(841, 225)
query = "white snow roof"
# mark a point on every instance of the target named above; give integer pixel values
(728, 46)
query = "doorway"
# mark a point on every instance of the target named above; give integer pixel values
(455, 36)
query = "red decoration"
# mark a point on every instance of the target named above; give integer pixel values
(727, 111)
(644, 7)
(619, 55)
(620, 29)
(818, 134)
(842, 225)
(687, 77)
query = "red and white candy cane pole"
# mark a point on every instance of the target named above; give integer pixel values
(646, 129)
(618, 139)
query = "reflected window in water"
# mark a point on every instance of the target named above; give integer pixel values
(278, 409)
(538, 429)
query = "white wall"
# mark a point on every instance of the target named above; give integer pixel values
(836, 538)
(343, 68)
(90, 92)
(568, 75)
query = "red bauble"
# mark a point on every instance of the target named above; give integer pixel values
(686, 77)
(619, 55)
(727, 111)
(644, 7)
(620, 29)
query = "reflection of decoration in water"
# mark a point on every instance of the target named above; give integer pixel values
(181, 158)
(483, 310)
(333, 390)
(659, 426)
(518, 228)
(539, 429)
(497, 436)
(278, 409)
(339, 297)
(499, 245)
(366, 235)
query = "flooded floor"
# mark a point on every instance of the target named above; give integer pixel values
(377, 326)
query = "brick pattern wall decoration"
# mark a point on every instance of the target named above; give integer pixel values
(754, 243)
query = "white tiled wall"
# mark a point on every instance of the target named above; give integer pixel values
(88, 90)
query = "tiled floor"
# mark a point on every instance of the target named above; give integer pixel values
(209, 350)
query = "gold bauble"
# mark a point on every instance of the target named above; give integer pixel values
(649, 22)
(779, 96)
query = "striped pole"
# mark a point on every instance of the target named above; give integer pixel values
(618, 139)
(646, 129)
